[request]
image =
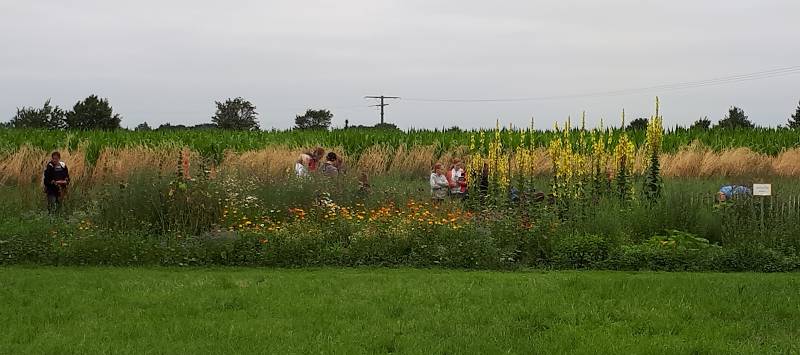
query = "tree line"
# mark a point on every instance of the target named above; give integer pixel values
(95, 113)
(735, 118)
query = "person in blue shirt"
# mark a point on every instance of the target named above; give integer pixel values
(728, 192)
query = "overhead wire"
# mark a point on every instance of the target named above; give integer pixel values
(730, 79)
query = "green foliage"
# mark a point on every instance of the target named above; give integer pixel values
(93, 113)
(735, 119)
(236, 114)
(638, 124)
(314, 119)
(213, 143)
(157, 206)
(580, 251)
(794, 121)
(623, 182)
(47, 117)
(701, 124)
(652, 179)
(680, 241)
(143, 127)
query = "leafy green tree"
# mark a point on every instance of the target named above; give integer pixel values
(93, 113)
(47, 117)
(794, 122)
(143, 127)
(639, 124)
(701, 124)
(313, 119)
(236, 114)
(204, 126)
(735, 119)
(169, 126)
(386, 126)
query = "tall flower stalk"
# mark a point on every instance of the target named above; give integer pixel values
(655, 132)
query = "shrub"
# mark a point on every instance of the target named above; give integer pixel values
(580, 251)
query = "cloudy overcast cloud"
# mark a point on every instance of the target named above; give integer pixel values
(167, 61)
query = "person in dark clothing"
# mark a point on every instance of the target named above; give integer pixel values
(56, 179)
(483, 186)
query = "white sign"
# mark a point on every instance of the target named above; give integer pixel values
(762, 189)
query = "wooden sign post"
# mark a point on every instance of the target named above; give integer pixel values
(762, 190)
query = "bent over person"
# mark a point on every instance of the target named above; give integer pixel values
(56, 179)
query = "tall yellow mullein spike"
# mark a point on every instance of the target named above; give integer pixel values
(583, 120)
(623, 118)
(657, 106)
(569, 123)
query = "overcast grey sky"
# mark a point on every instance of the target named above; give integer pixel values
(167, 61)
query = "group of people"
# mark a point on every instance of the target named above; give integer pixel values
(312, 161)
(331, 166)
(450, 182)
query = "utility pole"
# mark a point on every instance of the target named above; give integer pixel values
(381, 105)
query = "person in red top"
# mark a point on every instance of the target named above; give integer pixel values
(457, 179)
(312, 159)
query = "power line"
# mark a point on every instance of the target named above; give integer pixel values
(772, 73)
(381, 105)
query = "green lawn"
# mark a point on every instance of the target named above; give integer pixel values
(350, 311)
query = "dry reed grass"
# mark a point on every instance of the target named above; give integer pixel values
(416, 160)
(117, 164)
(787, 163)
(375, 160)
(24, 166)
(694, 161)
(263, 164)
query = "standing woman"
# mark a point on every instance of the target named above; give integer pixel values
(56, 179)
(457, 180)
(439, 184)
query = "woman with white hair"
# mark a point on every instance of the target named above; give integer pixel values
(439, 184)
